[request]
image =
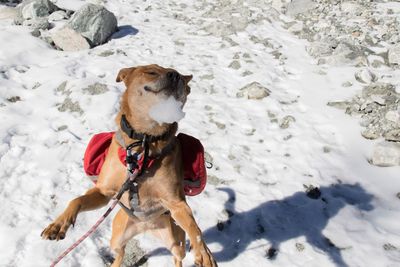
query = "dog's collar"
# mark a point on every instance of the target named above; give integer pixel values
(128, 130)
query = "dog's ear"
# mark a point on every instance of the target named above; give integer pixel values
(187, 78)
(123, 74)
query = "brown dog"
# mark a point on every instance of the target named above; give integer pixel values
(160, 187)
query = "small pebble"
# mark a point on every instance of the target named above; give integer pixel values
(313, 192)
(220, 226)
(271, 253)
(14, 99)
(300, 247)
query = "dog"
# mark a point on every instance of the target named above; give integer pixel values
(160, 186)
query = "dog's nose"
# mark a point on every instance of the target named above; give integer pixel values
(173, 76)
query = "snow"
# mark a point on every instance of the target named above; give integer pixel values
(260, 168)
(167, 110)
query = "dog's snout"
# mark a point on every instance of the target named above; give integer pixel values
(173, 76)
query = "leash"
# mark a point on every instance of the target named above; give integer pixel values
(133, 171)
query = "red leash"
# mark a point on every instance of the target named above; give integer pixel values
(91, 230)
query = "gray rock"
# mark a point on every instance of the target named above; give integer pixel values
(365, 76)
(392, 135)
(300, 247)
(346, 53)
(254, 90)
(393, 116)
(33, 9)
(339, 104)
(296, 27)
(381, 89)
(36, 85)
(62, 88)
(69, 40)
(37, 23)
(371, 133)
(394, 54)
(69, 105)
(386, 154)
(319, 49)
(106, 53)
(62, 128)
(235, 65)
(14, 99)
(296, 7)
(96, 89)
(35, 33)
(286, 121)
(347, 84)
(207, 77)
(134, 254)
(94, 22)
(58, 15)
(378, 99)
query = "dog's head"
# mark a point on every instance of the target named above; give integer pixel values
(148, 85)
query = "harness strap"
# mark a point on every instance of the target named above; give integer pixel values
(132, 161)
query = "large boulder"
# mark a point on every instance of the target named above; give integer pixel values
(34, 9)
(94, 22)
(69, 40)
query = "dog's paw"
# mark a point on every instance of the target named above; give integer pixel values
(204, 257)
(57, 229)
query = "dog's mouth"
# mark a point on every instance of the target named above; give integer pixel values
(170, 84)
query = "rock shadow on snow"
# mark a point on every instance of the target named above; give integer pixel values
(123, 31)
(277, 221)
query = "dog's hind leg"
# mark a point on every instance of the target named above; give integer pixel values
(123, 229)
(173, 237)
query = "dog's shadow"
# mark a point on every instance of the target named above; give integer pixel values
(276, 221)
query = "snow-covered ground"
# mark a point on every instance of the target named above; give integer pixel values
(256, 190)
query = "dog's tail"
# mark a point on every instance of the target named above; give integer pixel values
(230, 203)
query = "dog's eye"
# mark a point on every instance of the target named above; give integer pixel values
(152, 73)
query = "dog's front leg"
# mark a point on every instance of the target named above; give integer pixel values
(182, 214)
(92, 199)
